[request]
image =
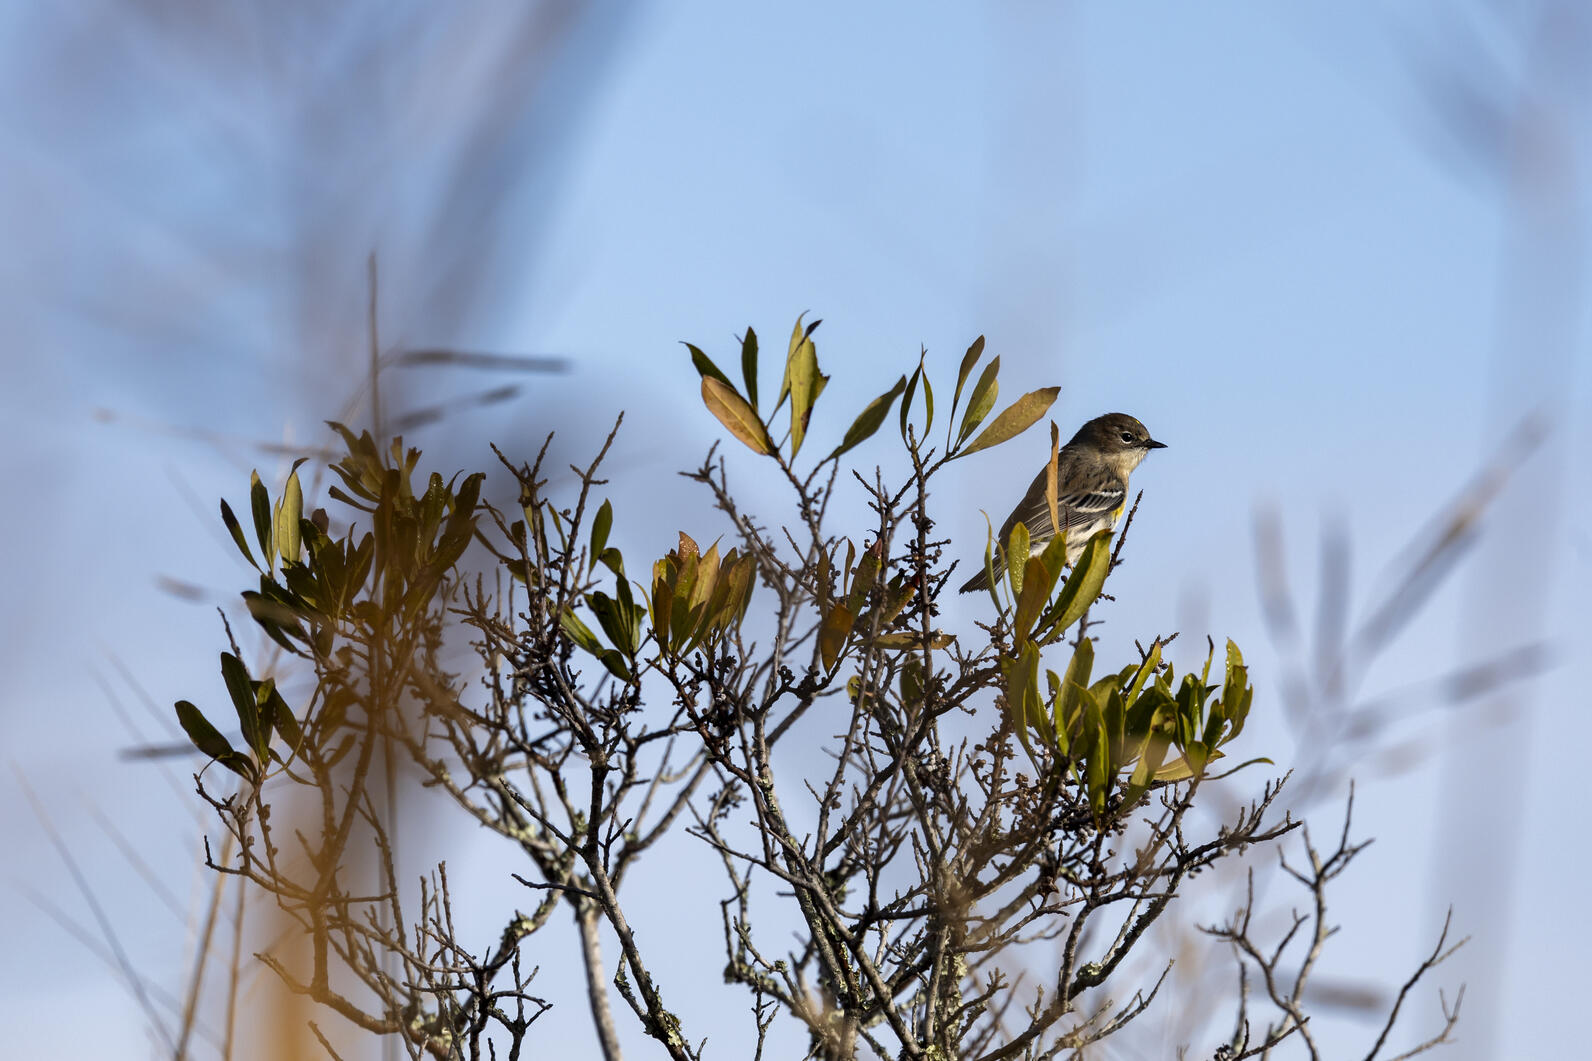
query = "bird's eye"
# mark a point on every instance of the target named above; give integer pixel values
(1127, 437)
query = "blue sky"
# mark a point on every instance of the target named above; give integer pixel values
(1255, 228)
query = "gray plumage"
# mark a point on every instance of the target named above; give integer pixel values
(1091, 487)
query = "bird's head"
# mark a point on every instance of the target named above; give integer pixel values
(1120, 438)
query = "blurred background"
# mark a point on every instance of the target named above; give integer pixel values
(1335, 258)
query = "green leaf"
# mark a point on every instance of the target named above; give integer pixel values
(749, 365)
(579, 632)
(804, 386)
(1152, 754)
(705, 366)
(601, 524)
(1038, 583)
(981, 401)
(799, 334)
(241, 765)
(1055, 557)
(1017, 558)
(1023, 703)
(869, 419)
(990, 575)
(1229, 772)
(285, 723)
(1144, 670)
(1098, 769)
(1237, 693)
(928, 406)
(290, 509)
(733, 412)
(205, 737)
(1151, 757)
(818, 389)
(260, 502)
(266, 698)
(361, 563)
(1114, 716)
(969, 359)
(1151, 710)
(338, 494)
(1058, 719)
(460, 528)
(616, 618)
(631, 613)
(1015, 711)
(615, 663)
(1082, 587)
(1214, 724)
(236, 530)
(1188, 711)
(469, 495)
(1176, 770)
(906, 403)
(1014, 419)
(1038, 580)
(1073, 686)
(276, 611)
(241, 689)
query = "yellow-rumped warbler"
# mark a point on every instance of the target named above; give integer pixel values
(1091, 488)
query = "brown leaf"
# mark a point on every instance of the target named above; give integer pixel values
(833, 633)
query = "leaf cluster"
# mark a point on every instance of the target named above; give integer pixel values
(984, 804)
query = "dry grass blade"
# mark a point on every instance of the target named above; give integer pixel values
(107, 929)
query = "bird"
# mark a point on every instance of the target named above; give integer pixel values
(1091, 487)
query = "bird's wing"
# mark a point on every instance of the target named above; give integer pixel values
(1084, 508)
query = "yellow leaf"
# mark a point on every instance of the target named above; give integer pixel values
(1014, 419)
(804, 385)
(1180, 769)
(798, 334)
(737, 416)
(914, 640)
(289, 511)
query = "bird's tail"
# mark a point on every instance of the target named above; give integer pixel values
(980, 580)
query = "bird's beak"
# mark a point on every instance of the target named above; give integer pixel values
(1151, 443)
